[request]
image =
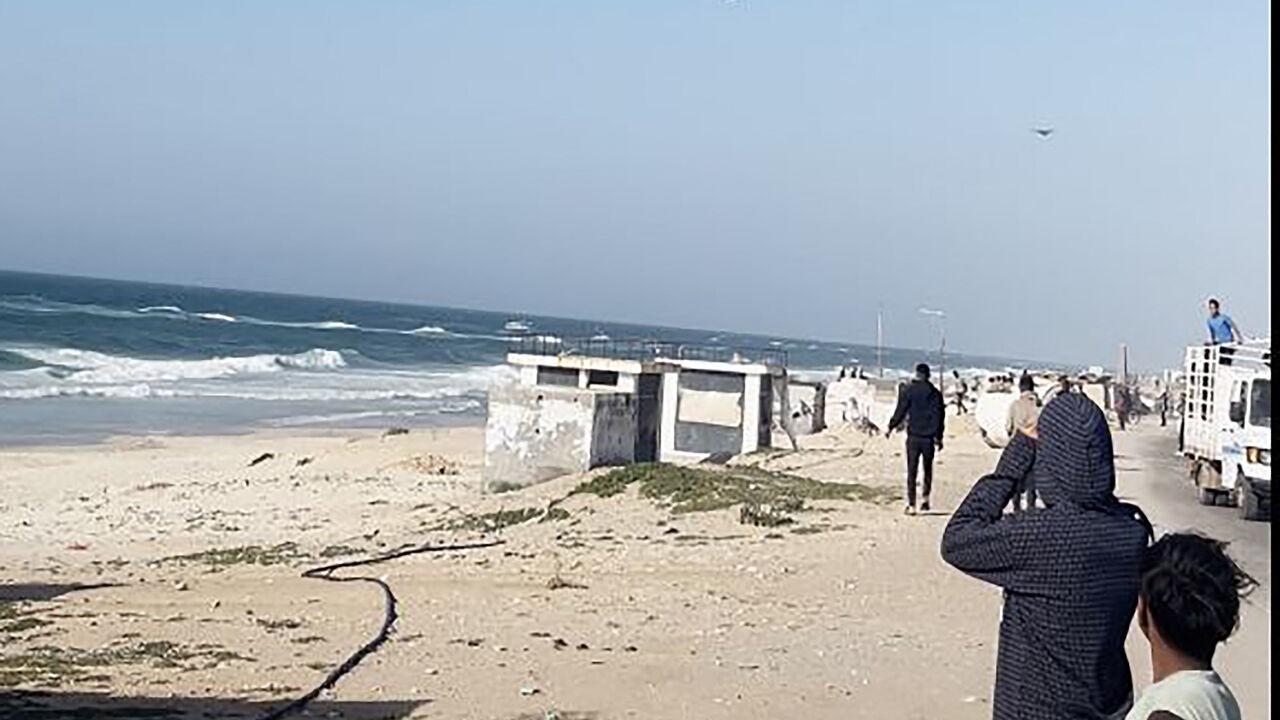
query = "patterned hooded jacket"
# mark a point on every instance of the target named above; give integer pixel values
(1069, 570)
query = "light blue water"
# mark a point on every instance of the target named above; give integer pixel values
(84, 358)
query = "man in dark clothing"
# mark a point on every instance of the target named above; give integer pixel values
(920, 405)
(1121, 402)
(1070, 570)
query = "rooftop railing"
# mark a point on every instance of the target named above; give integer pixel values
(647, 350)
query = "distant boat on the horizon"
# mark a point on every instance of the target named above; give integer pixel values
(517, 326)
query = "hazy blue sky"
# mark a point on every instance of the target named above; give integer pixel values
(764, 165)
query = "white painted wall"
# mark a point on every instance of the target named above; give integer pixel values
(751, 413)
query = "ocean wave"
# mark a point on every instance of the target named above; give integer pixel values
(89, 367)
(139, 391)
(317, 375)
(36, 304)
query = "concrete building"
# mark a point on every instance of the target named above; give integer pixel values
(583, 404)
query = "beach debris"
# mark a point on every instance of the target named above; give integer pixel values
(262, 458)
(558, 583)
(302, 462)
(528, 690)
(393, 431)
(77, 546)
(181, 586)
(769, 515)
(429, 464)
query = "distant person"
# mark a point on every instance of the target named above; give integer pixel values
(1189, 603)
(1024, 414)
(1070, 572)
(1222, 329)
(962, 393)
(1120, 398)
(920, 405)
(1164, 405)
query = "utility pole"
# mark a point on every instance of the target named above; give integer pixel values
(880, 341)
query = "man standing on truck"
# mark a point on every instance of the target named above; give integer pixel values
(920, 405)
(1222, 329)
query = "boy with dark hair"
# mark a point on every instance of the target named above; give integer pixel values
(1188, 603)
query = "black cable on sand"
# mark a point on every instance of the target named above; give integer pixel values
(389, 617)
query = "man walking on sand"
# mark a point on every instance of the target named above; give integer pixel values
(1070, 571)
(962, 393)
(920, 405)
(1024, 413)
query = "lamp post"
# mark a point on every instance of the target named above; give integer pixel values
(941, 318)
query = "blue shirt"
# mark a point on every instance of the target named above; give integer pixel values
(1220, 328)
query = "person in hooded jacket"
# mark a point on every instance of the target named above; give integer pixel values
(1070, 570)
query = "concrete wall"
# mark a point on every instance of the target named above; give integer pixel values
(710, 412)
(537, 433)
(613, 430)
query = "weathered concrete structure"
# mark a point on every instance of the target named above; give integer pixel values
(579, 406)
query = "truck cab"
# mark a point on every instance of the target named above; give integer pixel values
(1246, 444)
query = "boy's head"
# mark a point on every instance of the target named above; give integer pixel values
(922, 371)
(1189, 601)
(1026, 383)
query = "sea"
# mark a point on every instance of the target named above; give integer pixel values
(83, 359)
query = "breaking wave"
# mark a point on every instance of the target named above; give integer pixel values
(318, 374)
(87, 366)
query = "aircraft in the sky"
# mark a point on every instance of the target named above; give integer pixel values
(1043, 132)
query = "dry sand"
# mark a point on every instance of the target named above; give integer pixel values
(614, 608)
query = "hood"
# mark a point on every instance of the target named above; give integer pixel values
(1075, 462)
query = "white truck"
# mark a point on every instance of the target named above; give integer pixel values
(1226, 425)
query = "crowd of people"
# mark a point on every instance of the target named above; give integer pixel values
(1077, 565)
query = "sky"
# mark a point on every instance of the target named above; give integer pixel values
(774, 166)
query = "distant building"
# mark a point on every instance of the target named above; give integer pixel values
(583, 404)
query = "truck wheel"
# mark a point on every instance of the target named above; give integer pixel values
(1248, 505)
(1205, 496)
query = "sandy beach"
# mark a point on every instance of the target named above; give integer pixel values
(162, 576)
